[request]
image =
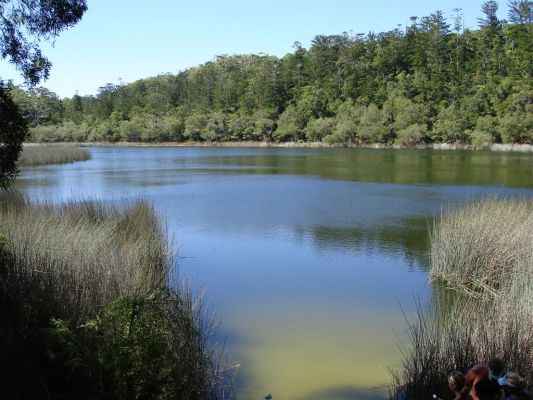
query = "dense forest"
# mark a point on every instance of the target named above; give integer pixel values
(430, 81)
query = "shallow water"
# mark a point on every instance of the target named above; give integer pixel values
(307, 256)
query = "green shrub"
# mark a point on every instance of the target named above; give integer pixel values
(288, 127)
(517, 127)
(411, 135)
(319, 128)
(134, 348)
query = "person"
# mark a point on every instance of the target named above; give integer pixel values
(482, 387)
(456, 382)
(493, 371)
(514, 386)
(496, 369)
(485, 389)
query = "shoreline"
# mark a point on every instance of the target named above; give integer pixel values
(510, 147)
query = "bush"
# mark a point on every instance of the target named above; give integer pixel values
(517, 128)
(136, 347)
(65, 132)
(195, 126)
(288, 128)
(449, 125)
(411, 135)
(319, 128)
(487, 131)
(371, 127)
(172, 128)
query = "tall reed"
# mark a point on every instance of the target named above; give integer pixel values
(87, 306)
(482, 304)
(482, 245)
(43, 155)
(84, 253)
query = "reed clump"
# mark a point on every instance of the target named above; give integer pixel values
(483, 245)
(44, 155)
(482, 305)
(87, 307)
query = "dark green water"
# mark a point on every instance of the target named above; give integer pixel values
(305, 255)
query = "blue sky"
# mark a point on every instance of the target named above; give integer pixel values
(132, 39)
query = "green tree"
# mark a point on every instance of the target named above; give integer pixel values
(520, 11)
(450, 125)
(241, 127)
(319, 128)
(195, 125)
(264, 124)
(13, 130)
(371, 127)
(288, 128)
(489, 8)
(486, 131)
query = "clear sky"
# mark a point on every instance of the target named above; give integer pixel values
(126, 40)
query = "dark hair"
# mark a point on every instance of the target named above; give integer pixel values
(487, 390)
(497, 366)
(458, 379)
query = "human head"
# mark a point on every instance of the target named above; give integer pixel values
(476, 374)
(497, 367)
(456, 381)
(512, 383)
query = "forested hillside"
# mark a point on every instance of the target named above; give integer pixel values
(431, 81)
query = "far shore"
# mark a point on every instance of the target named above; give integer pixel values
(512, 147)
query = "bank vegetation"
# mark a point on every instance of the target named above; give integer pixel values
(482, 305)
(90, 308)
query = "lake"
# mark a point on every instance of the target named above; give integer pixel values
(309, 258)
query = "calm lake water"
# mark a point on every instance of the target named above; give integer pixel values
(305, 256)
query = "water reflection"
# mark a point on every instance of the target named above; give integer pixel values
(408, 238)
(385, 165)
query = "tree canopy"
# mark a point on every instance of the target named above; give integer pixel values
(12, 129)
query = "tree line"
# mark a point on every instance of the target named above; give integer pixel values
(430, 81)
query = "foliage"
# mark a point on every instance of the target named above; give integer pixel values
(411, 134)
(319, 128)
(136, 347)
(288, 127)
(13, 131)
(24, 23)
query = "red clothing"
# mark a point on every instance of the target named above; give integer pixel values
(476, 374)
